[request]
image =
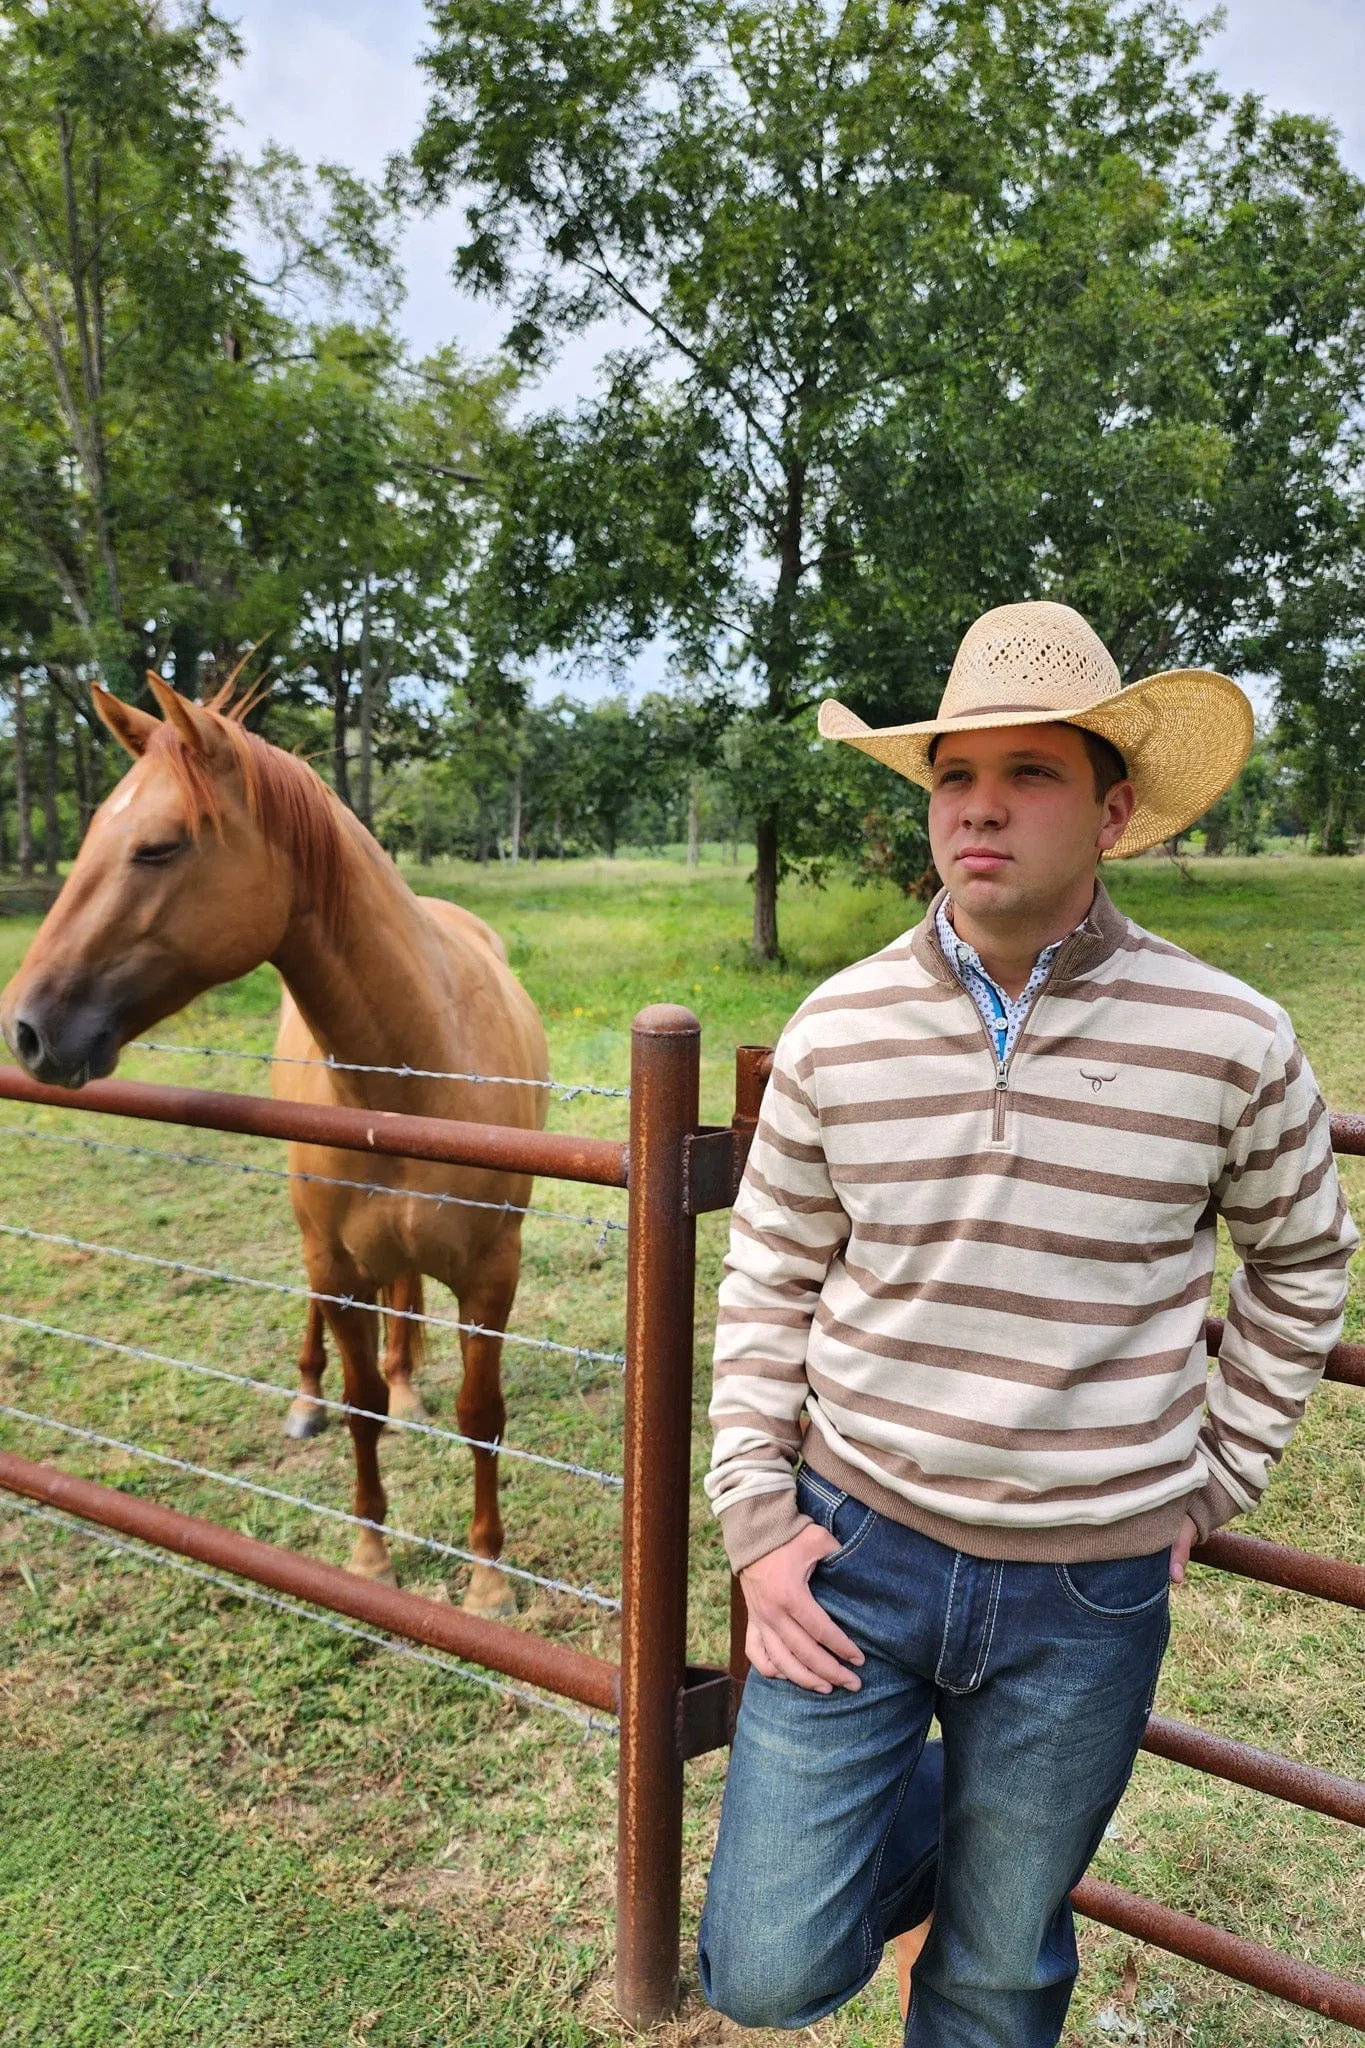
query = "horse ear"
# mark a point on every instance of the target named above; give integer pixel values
(191, 724)
(131, 728)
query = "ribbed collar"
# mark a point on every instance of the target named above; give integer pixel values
(1100, 936)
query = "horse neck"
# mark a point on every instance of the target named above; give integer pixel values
(384, 989)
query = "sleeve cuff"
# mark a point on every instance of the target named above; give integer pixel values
(760, 1523)
(1211, 1507)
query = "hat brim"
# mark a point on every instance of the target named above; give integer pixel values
(1185, 736)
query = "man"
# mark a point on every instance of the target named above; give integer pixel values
(971, 1261)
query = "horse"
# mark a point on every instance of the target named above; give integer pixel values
(218, 851)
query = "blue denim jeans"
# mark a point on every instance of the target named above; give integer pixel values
(842, 1828)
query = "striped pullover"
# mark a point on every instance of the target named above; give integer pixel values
(981, 1288)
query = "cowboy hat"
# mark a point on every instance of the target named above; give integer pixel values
(1184, 736)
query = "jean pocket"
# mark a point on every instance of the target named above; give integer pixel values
(847, 1520)
(1116, 1587)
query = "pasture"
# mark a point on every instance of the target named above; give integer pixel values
(221, 1825)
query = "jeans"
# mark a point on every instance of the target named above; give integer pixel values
(841, 1828)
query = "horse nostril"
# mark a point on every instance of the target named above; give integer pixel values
(27, 1043)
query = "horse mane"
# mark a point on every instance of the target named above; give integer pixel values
(286, 798)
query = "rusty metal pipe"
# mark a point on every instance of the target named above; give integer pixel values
(502, 1147)
(1276, 1564)
(1345, 1362)
(1348, 1132)
(1261, 1770)
(664, 1106)
(553, 1666)
(1300, 1983)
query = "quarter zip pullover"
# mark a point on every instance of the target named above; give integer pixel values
(993, 1321)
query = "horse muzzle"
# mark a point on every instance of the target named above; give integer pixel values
(62, 1044)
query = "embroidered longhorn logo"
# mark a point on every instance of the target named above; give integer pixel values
(1097, 1076)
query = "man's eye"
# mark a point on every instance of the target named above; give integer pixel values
(159, 852)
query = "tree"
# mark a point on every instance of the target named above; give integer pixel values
(814, 224)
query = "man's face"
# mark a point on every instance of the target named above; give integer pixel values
(1014, 822)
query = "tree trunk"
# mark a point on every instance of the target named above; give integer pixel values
(186, 648)
(21, 788)
(341, 704)
(516, 817)
(80, 759)
(693, 823)
(51, 847)
(364, 800)
(559, 833)
(765, 887)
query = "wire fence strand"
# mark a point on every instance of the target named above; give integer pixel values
(589, 1594)
(145, 1554)
(221, 1276)
(567, 1091)
(325, 1180)
(263, 1387)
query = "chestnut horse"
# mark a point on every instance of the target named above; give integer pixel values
(216, 852)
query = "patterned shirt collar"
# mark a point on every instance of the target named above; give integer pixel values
(1003, 1015)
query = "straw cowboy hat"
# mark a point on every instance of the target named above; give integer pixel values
(1184, 735)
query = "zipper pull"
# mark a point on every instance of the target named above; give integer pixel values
(1002, 1075)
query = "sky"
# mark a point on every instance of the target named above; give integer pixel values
(338, 79)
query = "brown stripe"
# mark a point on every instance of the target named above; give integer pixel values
(789, 1148)
(766, 1318)
(1122, 1052)
(1148, 1123)
(992, 1365)
(1305, 1356)
(1010, 1166)
(1169, 999)
(879, 999)
(1136, 940)
(1003, 1492)
(1048, 1308)
(787, 1198)
(1224, 1433)
(1021, 1237)
(1256, 1283)
(783, 1247)
(779, 1429)
(1309, 1185)
(749, 1365)
(1292, 1140)
(1255, 1390)
(941, 1045)
(966, 1429)
(788, 1085)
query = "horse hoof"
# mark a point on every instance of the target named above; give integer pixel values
(370, 1560)
(405, 1403)
(304, 1419)
(489, 1596)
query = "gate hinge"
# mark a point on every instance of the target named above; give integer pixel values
(713, 1161)
(708, 1702)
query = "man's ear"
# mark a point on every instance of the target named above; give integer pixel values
(1119, 804)
(131, 728)
(188, 720)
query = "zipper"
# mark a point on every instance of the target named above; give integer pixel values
(1000, 1092)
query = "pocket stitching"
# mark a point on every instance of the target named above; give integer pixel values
(1078, 1599)
(847, 1549)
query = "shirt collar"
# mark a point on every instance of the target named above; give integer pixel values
(961, 955)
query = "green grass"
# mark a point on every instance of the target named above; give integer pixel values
(220, 1825)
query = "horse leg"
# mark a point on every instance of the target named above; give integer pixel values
(357, 1339)
(405, 1347)
(303, 1417)
(483, 1415)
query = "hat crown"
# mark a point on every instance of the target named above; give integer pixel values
(1029, 657)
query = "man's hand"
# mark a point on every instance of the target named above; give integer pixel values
(1181, 1548)
(790, 1635)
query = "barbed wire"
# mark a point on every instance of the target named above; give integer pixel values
(220, 1275)
(588, 1594)
(255, 1386)
(325, 1180)
(567, 1091)
(146, 1554)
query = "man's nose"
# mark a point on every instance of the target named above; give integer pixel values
(985, 805)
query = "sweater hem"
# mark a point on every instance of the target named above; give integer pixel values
(1063, 1543)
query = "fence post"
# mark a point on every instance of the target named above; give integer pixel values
(665, 1062)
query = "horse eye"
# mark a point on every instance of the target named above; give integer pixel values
(158, 854)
